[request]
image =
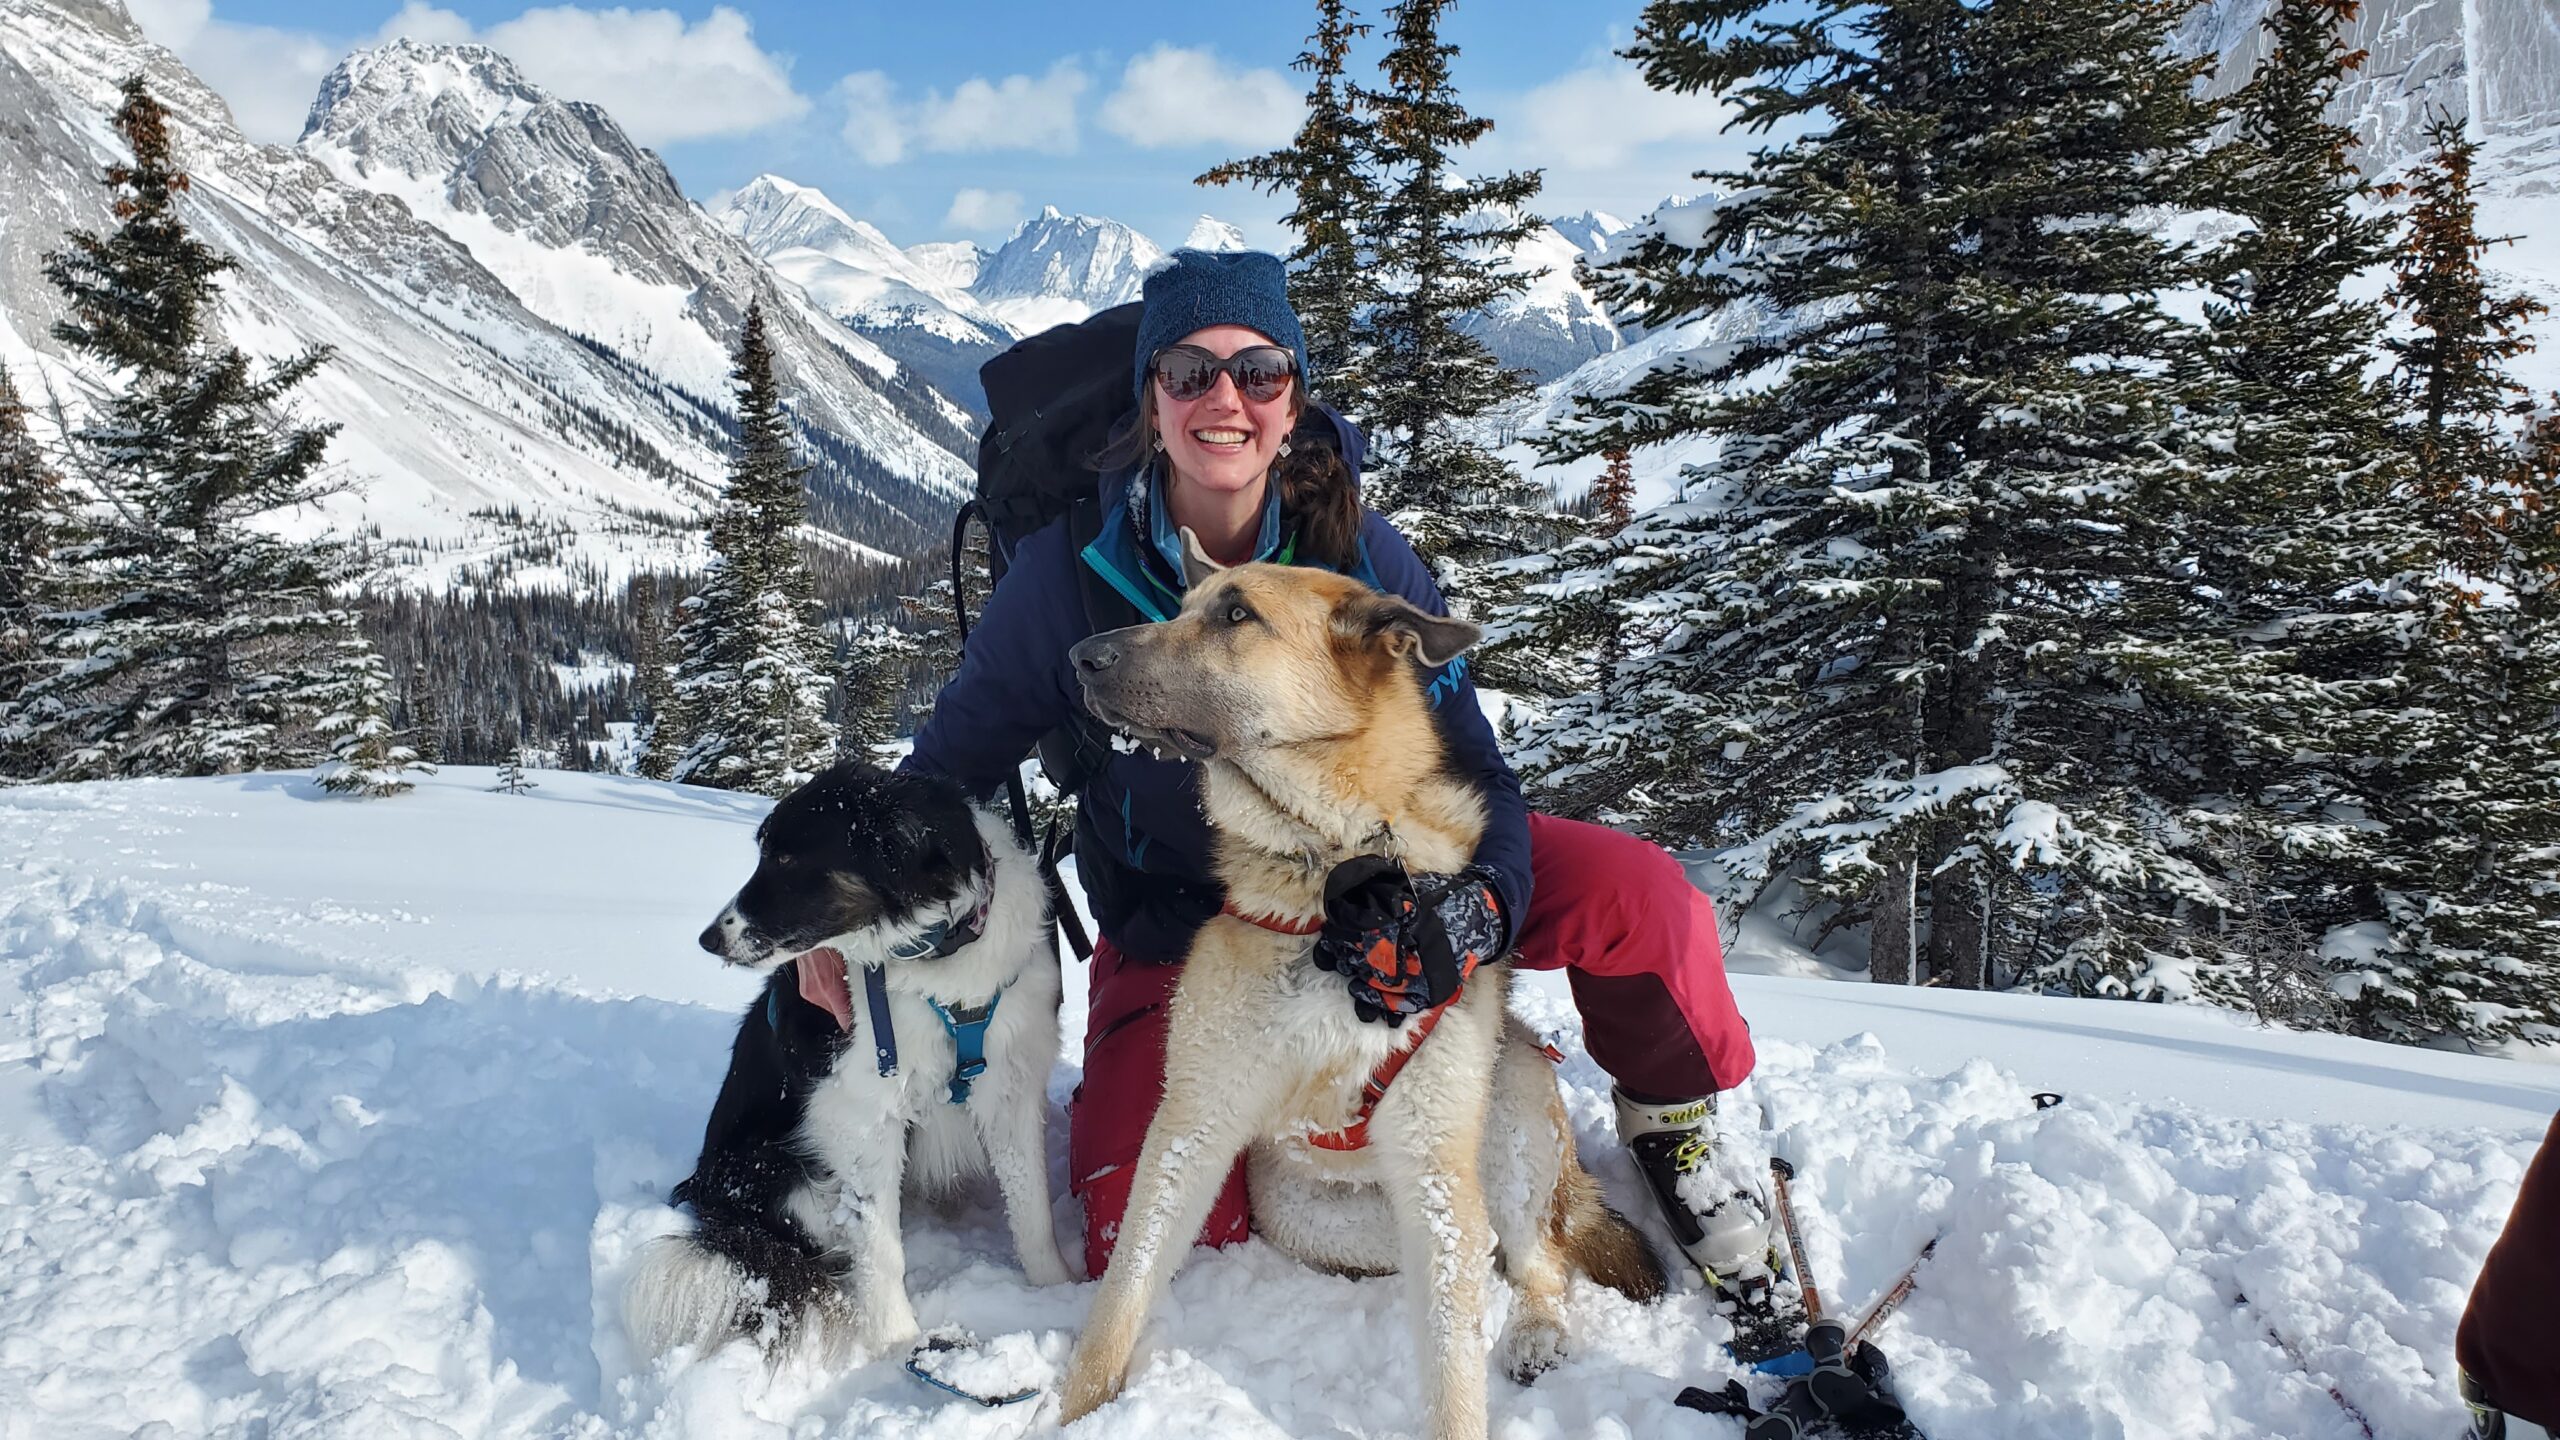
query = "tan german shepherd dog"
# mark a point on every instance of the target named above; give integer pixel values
(1298, 693)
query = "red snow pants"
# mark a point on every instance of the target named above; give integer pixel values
(2509, 1340)
(1618, 914)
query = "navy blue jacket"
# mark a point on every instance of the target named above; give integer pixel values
(1142, 845)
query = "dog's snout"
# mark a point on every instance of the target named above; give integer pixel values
(722, 933)
(1095, 654)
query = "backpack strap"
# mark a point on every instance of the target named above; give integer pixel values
(1074, 753)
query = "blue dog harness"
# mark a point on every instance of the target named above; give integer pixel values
(966, 1025)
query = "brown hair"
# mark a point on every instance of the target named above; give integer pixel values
(1317, 488)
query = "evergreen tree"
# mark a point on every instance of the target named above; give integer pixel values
(1873, 650)
(366, 756)
(198, 643)
(756, 670)
(659, 739)
(426, 717)
(2469, 789)
(511, 776)
(873, 685)
(1431, 385)
(1326, 171)
(2292, 522)
(31, 525)
(1613, 495)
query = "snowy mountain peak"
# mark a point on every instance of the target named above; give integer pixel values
(773, 214)
(1210, 233)
(453, 92)
(1589, 230)
(1083, 256)
(955, 263)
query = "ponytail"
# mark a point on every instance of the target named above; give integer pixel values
(1318, 489)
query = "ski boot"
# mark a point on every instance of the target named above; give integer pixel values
(1721, 1220)
(2488, 1422)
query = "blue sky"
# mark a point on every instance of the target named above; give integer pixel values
(953, 121)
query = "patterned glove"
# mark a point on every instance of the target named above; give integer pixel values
(1406, 943)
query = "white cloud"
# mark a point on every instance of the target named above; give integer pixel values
(427, 24)
(1018, 112)
(872, 125)
(1603, 116)
(1171, 97)
(662, 78)
(982, 211)
(266, 75)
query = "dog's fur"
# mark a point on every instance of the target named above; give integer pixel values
(1297, 691)
(796, 1194)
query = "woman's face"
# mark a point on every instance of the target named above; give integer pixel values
(1222, 441)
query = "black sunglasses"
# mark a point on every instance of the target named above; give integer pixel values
(1261, 372)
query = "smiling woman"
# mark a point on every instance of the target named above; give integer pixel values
(1228, 446)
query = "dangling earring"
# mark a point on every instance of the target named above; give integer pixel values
(1284, 448)
(1159, 440)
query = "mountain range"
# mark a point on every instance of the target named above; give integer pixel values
(531, 323)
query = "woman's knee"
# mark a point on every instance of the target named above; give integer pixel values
(1595, 889)
(1113, 1104)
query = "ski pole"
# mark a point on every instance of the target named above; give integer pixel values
(1781, 1172)
(1891, 1300)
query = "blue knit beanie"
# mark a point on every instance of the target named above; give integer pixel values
(1201, 288)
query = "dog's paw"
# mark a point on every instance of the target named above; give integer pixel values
(888, 1327)
(1046, 1267)
(1088, 1389)
(1531, 1348)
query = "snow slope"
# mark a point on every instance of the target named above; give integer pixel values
(488, 434)
(340, 1118)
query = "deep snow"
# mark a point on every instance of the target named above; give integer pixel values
(343, 1118)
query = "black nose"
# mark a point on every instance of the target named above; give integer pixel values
(714, 941)
(1095, 654)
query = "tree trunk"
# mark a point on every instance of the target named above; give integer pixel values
(1960, 893)
(1890, 947)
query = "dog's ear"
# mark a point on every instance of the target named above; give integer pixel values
(1196, 564)
(916, 844)
(1404, 629)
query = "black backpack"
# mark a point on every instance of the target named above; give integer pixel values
(1054, 400)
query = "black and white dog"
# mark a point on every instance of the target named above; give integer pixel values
(905, 1034)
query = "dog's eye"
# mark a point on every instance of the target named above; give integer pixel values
(1238, 613)
(782, 859)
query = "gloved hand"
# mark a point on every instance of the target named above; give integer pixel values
(1406, 943)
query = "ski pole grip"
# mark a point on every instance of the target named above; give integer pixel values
(1780, 1172)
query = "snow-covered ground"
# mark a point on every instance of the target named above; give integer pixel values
(343, 1118)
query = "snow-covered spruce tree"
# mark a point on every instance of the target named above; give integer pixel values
(756, 670)
(511, 777)
(197, 642)
(366, 756)
(1434, 237)
(872, 686)
(2292, 521)
(31, 527)
(1876, 648)
(1325, 169)
(1613, 495)
(658, 740)
(1768, 613)
(2468, 786)
(426, 717)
